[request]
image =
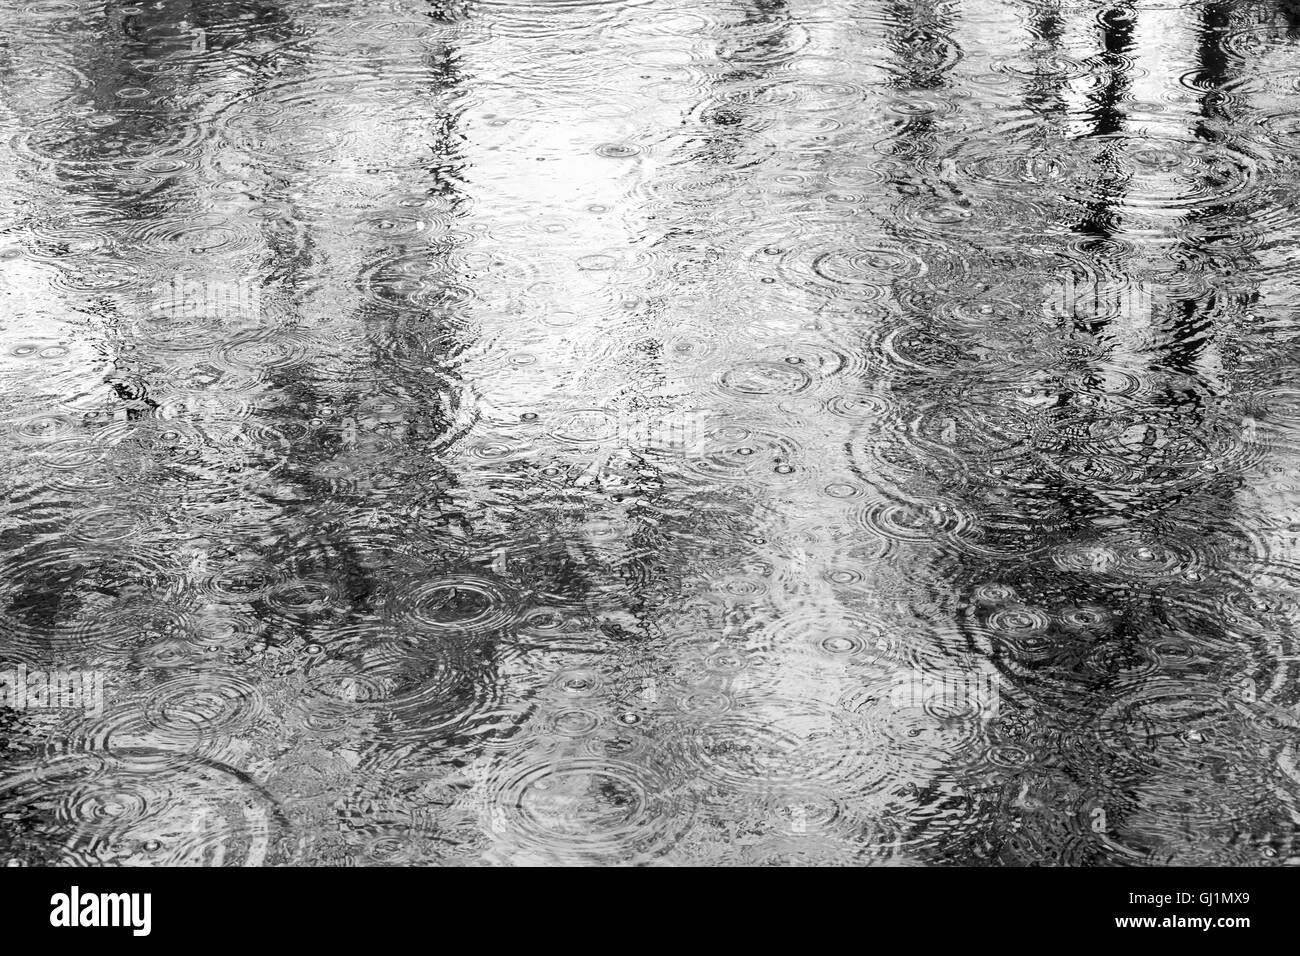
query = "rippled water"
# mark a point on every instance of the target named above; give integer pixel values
(588, 431)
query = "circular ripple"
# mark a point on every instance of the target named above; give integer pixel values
(68, 597)
(138, 806)
(790, 744)
(764, 378)
(586, 426)
(912, 520)
(1161, 714)
(735, 453)
(397, 688)
(586, 808)
(457, 604)
(203, 705)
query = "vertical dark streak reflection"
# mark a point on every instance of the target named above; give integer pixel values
(594, 425)
(1100, 219)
